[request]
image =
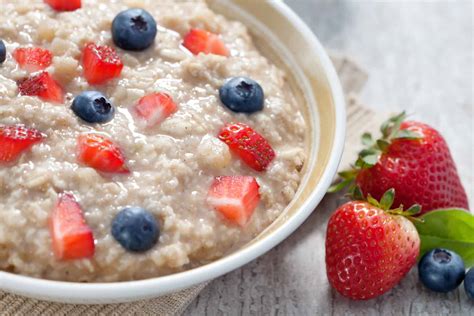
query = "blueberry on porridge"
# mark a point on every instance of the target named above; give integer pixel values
(138, 138)
(93, 107)
(3, 52)
(134, 29)
(135, 229)
(242, 94)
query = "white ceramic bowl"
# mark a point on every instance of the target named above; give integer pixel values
(287, 40)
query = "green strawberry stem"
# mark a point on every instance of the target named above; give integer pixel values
(386, 203)
(370, 155)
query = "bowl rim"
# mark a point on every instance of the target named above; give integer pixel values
(115, 292)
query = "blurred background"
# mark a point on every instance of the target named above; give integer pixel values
(419, 58)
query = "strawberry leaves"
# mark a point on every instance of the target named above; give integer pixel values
(387, 199)
(413, 210)
(390, 127)
(368, 158)
(340, 185)
(390, 130)
(348, 177)
(406, 134)
(448, 228)
(367, 139)
(386, 203)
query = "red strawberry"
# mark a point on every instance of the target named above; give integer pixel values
(43, 86)
(369, 249)
(64, 5)
(155, 108)
(14, 140)
(249, 145)
(201, 41)
(72, 238)
(414, 159)
(100, 153)
(33, 58)
(101, 64)
(235, 197)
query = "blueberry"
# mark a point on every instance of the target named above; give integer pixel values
(441, 270)
(93, 107)
(135, 229)
(242, 94)
(3, 52)
(469, 284)
(134, 29)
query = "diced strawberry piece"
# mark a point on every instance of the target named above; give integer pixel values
(201, 41)
(100, 153)
(33, 58)
(249, 145)
(64, 5)
(101, 64)
(235, 197)
(43, 86)
(72, 238)
(16, 139)
(155, 108)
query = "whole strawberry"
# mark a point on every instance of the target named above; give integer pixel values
(369, 249)
(414, 159)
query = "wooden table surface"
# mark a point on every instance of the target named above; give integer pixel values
(419, 57)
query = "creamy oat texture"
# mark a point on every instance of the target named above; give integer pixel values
(172, 164)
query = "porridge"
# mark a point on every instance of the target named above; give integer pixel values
(130, 150)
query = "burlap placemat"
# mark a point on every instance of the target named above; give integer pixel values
(352, 79)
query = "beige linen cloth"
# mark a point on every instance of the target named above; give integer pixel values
(352, 79)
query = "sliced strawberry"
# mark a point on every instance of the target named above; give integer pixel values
(16, 139)
(100, 153)
(33, 58)
(155, 108)
(43, 86)
(249, 145)
(201, 41)
(72, 238)
(64, 5)
(235, 197)
(101, 64)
